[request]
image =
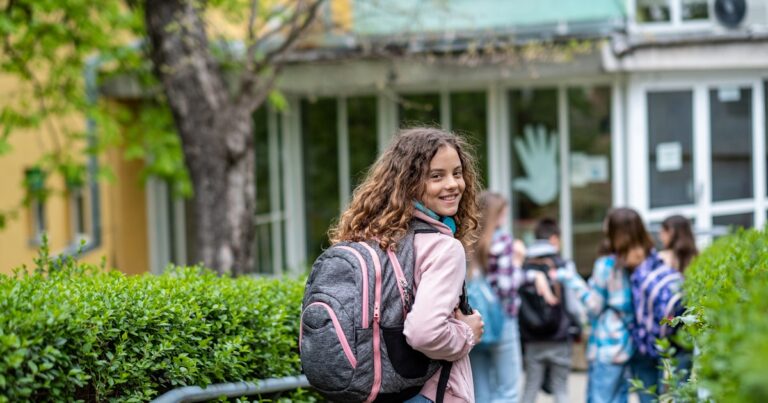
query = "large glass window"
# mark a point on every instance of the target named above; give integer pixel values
(730, 112)
(765, 123)
(695, 10)
(468, 117)
(419, 110)
(653, 11)
(34, 183)
(268, 243)
(535, 167)
(589, 117)
(363, 148)
(734, 221)
(671, 11)
(670, 148)
(79, 219)
(321, 171)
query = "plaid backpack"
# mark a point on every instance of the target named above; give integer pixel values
(351, 340)
(656, 295)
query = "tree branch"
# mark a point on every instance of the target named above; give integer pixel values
(297, 27)
(262, 91)
(294, 34)
(252, 22)
(255, 43)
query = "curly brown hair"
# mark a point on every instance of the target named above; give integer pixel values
(382, 205)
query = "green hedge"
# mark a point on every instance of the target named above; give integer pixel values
(727, 290)
(70, 331)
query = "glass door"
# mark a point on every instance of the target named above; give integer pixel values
(560, 148)
(704, 154)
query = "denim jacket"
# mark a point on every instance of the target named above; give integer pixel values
(608, 299)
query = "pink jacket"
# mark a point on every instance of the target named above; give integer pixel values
(431, 326)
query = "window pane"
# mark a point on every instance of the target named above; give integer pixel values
(734, 221)
(652, 11)
(589, 117)
(363, 148)
(670, 148)
(419, 110)
(261, 151)
(695, 10)
(321, 171)
(78, 212)
(262, 237)
(730, 112)
(468, 117)
(533, 125)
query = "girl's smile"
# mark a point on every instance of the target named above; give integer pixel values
(445, 182)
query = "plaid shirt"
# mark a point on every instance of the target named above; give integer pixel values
(608, 299)
(502, 274)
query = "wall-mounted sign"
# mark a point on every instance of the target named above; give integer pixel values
(586, 169)
(728, 94)
(669, 156)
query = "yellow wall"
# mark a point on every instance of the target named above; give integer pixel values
(123, 210)
(127, 216)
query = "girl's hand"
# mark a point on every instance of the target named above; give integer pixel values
(475, 322)
(543, 288)
(518, 253)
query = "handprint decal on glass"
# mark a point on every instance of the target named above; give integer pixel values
(538, 156)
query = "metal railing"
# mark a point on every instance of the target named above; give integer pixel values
(235, 389)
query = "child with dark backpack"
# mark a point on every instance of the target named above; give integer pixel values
(678, 250)
(497, 368)
(381, 318)
(631, 292)
(548, 330)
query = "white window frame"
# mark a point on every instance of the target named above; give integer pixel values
(160, 244)
(504, 157)
(293, 185)
(704, 210)
(275, 217)
(498, 139)
(38, 215)
(676, 23)
(76, 216)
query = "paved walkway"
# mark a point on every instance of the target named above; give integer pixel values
(577, 390)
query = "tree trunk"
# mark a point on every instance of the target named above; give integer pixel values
(216, 134)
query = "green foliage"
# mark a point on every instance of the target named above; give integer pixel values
(49, 45)
(72, 331)
(727, 295)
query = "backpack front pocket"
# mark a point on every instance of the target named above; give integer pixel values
(328, 358)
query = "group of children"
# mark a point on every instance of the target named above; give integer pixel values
(429, 174)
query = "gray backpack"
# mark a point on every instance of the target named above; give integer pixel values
(351, 338)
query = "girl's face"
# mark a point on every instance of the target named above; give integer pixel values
(445, 182)
(502, 217)
(664, 236)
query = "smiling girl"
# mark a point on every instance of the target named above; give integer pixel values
(426, 174)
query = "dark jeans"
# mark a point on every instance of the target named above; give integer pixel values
(647, 370)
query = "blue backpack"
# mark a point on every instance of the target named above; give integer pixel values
(656, 295)
(484, 300)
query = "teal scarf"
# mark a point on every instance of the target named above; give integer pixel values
(447, 220)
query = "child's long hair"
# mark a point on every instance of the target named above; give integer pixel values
(382, 205)
(681, 240)
(624, 230)
(491, 207)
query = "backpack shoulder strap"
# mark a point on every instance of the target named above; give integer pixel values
(442, 382)
(419, 226)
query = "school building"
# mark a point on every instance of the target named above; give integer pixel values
(654, 104)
